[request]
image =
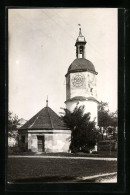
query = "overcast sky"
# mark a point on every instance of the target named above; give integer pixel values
(41, 48)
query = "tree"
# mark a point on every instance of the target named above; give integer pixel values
(83, 131)
(103, 115)
(103, 106)
(13, 122)
(106, 119)
(114, 119)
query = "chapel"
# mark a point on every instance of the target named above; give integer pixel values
(45, 132)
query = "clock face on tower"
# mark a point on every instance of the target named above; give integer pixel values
(78, 80)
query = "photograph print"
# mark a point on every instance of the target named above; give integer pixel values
(62, 95)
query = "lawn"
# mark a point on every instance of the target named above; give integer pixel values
(105, 154)
(55, 170)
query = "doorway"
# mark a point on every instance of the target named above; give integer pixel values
(41, 141)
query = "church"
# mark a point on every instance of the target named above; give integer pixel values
(46, 132)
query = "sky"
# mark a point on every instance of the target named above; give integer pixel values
(41, 47)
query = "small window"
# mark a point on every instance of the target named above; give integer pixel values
(23, 138)
(81, 49)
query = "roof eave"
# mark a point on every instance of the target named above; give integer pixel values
(82, 98)
(81, 70)
(58, 128)
(80, 42)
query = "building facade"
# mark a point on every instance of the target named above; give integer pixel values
(81, 82)
(45, 132)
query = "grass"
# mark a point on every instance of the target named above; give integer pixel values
(55, 170)
(80, 154)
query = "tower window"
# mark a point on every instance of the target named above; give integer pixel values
(81, 49)
(91, 90)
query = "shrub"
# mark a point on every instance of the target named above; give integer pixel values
(94, 152)
(14, 150)
(107, 145)
(23, 147)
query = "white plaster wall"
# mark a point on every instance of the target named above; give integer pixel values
(90, 81)
(68, 87)
(48, 142)
(55, 141)
(61, 142)
(11, 141)
(90, 106)
(29, 141)
(32, 142)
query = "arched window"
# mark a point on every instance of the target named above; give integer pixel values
(81, 49)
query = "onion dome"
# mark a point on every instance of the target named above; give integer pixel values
(81, 65)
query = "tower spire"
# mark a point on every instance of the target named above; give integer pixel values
(47, 101)
(80, 33)
(80, 44)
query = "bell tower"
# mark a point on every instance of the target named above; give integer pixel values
(81, 81)
(80, 45)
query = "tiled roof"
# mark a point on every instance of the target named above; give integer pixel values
(81, 64)
(45, 119)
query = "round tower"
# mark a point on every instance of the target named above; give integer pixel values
(81, 81)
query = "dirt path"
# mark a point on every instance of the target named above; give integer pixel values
(64, 157)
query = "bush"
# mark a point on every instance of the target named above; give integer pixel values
(107, 145)
(94, 152)
(14, 150)
(23, 147)
(74, 149)
(17, 149)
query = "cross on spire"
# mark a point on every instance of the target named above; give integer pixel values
(80, 33)
(80, 44)
(47, 101)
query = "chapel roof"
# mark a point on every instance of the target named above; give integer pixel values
(45, 119)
